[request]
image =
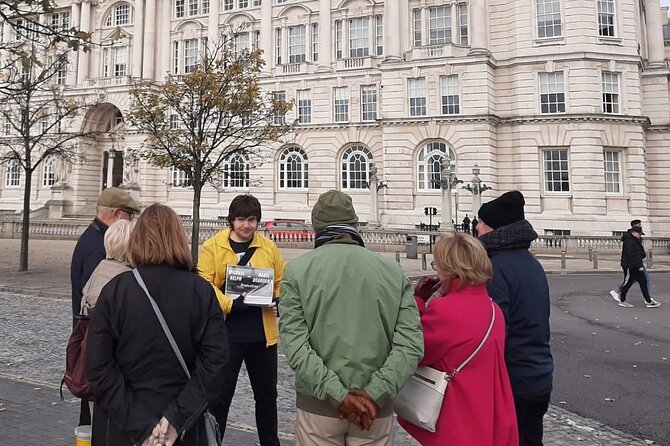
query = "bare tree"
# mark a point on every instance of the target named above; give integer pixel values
(38, 120)
(197, 121)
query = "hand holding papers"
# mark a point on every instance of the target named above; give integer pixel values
(256, 283)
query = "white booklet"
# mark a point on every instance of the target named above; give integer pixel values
(257, 283)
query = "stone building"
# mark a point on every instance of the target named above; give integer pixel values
(566, 101)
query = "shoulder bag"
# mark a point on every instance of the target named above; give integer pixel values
(420, 399)
(211, 426)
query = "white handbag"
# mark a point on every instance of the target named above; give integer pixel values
(420, 399)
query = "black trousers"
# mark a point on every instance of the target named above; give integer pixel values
(530, 412)
(261, 363)
(632, 275)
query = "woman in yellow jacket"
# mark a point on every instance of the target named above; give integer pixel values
(252, 330)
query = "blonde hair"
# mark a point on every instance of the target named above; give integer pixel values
(159, 238)
(116, 240)
(462, 256)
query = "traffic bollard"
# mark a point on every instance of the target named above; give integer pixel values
(590, 253)
(650, 259)
(424, 263)
(397, 256)
(562, 259)
(595, 259)
(532, 251)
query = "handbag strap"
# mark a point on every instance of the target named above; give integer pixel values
(164, 324)
(247, 256)
(481, 344)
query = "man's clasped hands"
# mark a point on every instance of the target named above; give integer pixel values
(359, 408)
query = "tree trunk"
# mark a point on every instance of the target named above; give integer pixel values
(195, 230)
(25, 229)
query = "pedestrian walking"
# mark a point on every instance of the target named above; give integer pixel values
(252, 330)
(475, 222)
(454, 324)
(632, 263)
(113, 204)
(142, 393)
(350, 330)
(466, 224)
(519, 286)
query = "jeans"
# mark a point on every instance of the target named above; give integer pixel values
(530, 410)
(261, 363)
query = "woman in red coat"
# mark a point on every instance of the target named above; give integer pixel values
(478, 408)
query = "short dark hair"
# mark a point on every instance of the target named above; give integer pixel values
(244, 206)
(635, 222)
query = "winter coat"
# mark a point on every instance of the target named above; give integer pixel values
(632, 252)
(103, 273)
(348, 320)
(216, 255)
(478, 407)
(519, 286)
(134, 373)
(88, 253)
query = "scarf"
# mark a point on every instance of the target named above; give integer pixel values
(333, 232)
(515, 235)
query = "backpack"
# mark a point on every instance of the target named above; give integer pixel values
(75, 362)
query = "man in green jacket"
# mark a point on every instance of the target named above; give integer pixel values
(350, 329)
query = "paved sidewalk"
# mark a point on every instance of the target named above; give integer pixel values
(31, 412)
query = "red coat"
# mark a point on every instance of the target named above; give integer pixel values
(478, 408)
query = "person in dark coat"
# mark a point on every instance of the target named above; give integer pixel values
(113, 204)
(632, 256)
(466, 224)
(519, 286)
(475, 222)
(142, 395)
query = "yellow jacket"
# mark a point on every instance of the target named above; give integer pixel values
(216, 255)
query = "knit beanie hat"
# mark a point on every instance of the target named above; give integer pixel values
(333, 207)
(504, 210)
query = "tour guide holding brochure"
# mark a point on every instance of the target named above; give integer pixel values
(252, 330)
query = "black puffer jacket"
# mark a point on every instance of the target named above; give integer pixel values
(135, 375)
(632, 252)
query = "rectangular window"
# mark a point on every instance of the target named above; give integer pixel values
(450, 96)
(49, 172)
(416, 20)
(227, 5)
(359, 33)
(368, 102)
(417, 96)
(304, 106)
(552, 92)
(204, 6)
(315, 42)
(556, 171)
(379, 35)
(548, 18)
(279, 119)
(440, 25)
(243, 4)
(610, 86)
(120, 61)
(338, 39)
(296, 44)
(190, 55)
(606, 18)
(241, 43)
(341, 104)
(612, 171)
(258, 2)
(192, 7)
(175, 57)
(179, 178)
(279, 46)
(463, 23)
(13, 174)
(179, 8)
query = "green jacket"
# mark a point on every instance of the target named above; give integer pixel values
(348, 320)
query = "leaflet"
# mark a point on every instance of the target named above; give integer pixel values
(257, 283)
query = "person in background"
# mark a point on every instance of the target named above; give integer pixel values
(475, 222)
(519, 286)
(114, 204)
(350, 329)
(252, 330)
(142, 394)
(632, 263)
(466, 224)
(454, 324)
(116, 246)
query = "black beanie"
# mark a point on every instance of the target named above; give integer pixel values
(504, 210)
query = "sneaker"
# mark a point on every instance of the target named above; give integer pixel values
(616, 295)
(627, 305)
(653, 304)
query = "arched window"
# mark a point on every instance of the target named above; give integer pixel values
(49, 171)
(121, 15)
(293, 169)
(356, 167)
(429, 164)
(13, 173)
(236, 171)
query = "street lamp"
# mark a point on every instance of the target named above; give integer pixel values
(476, 188)
(447, 181)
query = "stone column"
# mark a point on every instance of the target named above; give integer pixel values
(455, 30)
(652, 14)
(213, 35)
(373, 184)
(84, 25)
(325, 42)
(479, 26)
(164, 49)
(150, 40)
(392, 32)
(110, 168)
(445, 182)
(138, 32)
(76, 55)
(267, 33)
